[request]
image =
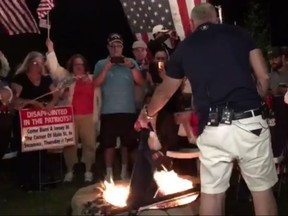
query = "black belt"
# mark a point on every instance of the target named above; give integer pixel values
(247, 114)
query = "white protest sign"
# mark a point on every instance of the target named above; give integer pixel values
(41, 129)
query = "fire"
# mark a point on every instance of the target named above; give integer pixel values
(115, 195)
(168, 182)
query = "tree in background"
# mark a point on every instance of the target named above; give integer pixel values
(257, 22)
(253, 15)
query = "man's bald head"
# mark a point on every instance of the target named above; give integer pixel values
(203, 13)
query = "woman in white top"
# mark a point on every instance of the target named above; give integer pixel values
(84, 97)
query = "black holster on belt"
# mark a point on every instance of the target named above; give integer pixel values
(264, 110)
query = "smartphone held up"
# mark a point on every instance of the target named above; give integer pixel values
(161, 66)
(117, 59)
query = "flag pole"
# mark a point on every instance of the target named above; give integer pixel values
(49, 26)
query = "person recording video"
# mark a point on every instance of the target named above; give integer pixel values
(117, 77)
(166, 126)
(161, 35)
(157, 66)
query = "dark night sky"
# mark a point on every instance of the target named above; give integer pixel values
(78, 26)
(279, 22)
(81, 26)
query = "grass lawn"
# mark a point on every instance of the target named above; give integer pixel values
(51, 202)
(55, 201)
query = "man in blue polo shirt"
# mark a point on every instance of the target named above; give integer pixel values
(117, 76)
(217, 60)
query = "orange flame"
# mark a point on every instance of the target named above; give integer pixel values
(168, 183)
(115, 195)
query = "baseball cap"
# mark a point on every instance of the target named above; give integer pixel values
(114, 37)
(159, 28)
(139, 44)
(274, 52)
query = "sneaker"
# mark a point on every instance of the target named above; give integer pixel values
(88, 176)
(68, 177)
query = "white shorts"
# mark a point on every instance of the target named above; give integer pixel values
(221, 146)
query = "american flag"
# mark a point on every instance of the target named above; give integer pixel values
(44, 7)
(16, 18)
(143, 15)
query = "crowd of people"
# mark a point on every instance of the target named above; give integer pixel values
(107, 101)
(113, 94)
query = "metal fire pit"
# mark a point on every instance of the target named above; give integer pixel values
(170, 201)
(143, 187)
(100, 207)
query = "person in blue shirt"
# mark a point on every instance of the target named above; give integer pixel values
(117, 76)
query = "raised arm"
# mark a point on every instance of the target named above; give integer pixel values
(100, 72)
(138, 79)
(57, 72)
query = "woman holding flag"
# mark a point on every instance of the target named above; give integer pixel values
(85, 100)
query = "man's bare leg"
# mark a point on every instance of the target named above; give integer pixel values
(109, 160)
(264, 202)
(212, 204)
(124, 160)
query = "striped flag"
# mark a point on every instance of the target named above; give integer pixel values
(143, 15)
(146, 37)
(44, 7)
(181, 10)
(16, 18)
